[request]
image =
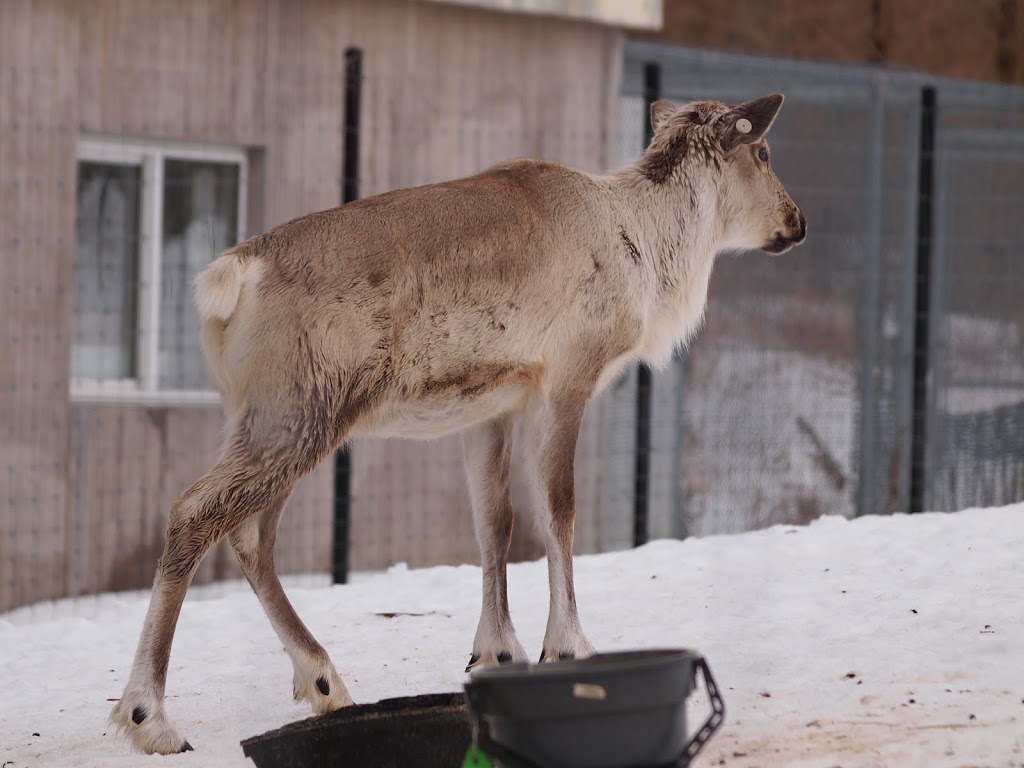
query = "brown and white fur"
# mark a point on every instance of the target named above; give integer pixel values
(514, 295)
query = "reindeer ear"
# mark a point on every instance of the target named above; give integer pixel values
(748, 122)
(661, 111)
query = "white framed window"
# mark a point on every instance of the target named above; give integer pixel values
(150, 216)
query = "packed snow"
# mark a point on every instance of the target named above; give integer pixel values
(881, 641)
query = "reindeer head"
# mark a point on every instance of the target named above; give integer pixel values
(707, 141)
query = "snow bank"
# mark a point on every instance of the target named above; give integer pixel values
(882, 641)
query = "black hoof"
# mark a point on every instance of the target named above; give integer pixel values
(504, 657)
(473, 659)
(186, 747)
(323, 686)
(562, 656)
(138, 715)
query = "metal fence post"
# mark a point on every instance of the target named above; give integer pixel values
(642, 447)
(922, 300)
(349, 192)
(871, 308)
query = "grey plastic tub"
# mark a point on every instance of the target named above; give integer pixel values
(612, 710)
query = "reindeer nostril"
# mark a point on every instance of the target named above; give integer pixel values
(796, 225)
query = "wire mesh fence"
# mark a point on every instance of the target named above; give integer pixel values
(798, 398)
(133, 149)
(975, 422)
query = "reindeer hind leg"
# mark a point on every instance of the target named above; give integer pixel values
(259, 466)
(315, 678)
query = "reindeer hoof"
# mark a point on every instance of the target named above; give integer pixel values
(562, 656)
(503, 657)
(186, 747)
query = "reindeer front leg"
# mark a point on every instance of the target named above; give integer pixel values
(487, 449)
(553, 426)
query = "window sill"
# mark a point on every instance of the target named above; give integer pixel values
(152, 399)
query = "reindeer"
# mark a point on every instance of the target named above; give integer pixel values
(512, 296)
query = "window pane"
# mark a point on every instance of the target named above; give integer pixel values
(200, 219)
(106, 271)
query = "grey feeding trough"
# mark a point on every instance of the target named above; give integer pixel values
(612, 710)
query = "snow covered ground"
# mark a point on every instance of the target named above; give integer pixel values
(873, 642)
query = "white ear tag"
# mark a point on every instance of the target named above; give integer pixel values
(743, 125)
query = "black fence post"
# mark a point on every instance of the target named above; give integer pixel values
(642, 457)
(922, 299)
(349, 192)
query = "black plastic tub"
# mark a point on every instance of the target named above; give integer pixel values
(613, 710)
(430, 731)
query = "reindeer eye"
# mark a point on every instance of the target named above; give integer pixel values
(762, 155)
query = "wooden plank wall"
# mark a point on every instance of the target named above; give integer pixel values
(85, 489)
(37, 200)
(462, 91)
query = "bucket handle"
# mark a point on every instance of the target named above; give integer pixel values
(715, 719)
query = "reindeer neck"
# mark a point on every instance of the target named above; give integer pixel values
(676, 230)
(676, 226)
